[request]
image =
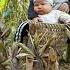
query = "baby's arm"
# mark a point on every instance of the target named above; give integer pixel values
(64, 17)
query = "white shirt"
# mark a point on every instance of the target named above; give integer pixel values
(54, 16)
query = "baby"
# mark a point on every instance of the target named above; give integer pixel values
(47, 15)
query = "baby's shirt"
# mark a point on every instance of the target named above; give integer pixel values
(54, 17)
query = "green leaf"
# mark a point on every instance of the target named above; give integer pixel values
(22, 55)
(24, 47)
(47, 44)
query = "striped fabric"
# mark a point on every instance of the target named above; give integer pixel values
(21, 31)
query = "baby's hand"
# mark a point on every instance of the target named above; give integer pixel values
(64, 7)
(35, 19)
(68, 21)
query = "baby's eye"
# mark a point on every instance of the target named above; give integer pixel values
(35, 4)
(42, 3)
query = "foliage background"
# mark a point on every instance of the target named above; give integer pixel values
(13, 13)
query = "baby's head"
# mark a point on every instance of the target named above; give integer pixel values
(43, 6)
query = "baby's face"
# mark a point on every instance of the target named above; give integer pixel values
(41, 7)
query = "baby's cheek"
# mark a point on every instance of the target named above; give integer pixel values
(35, 9)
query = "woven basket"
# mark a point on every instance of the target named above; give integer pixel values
(46, 31)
